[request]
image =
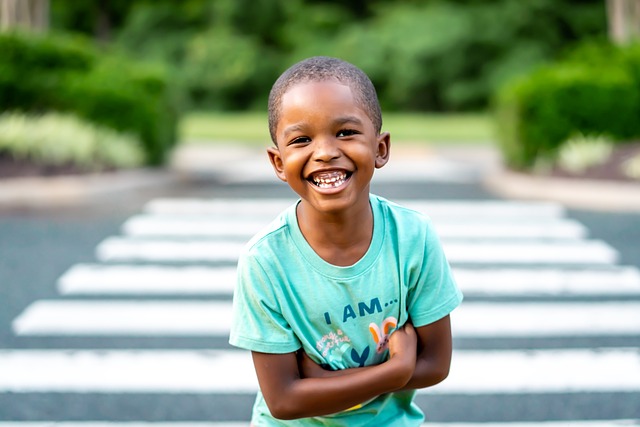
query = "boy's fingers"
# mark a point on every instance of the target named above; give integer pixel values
(408, 327)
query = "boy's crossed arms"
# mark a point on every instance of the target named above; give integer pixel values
(294, 386)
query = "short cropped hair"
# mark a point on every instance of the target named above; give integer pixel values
(320, 69)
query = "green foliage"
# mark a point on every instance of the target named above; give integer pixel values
(59, 73)
(219, 54)
(447, 56)
(631, 167)
(55, 139)
(591, 93)
(128, 99)
(581, 152)
(159, 31)
(225, 70)
(441, 55)
(31, 69)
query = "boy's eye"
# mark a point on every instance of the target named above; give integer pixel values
(347, 132)
(300, 140)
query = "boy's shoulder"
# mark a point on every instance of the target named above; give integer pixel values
(404, 223)
(275, 231)
(393, 211)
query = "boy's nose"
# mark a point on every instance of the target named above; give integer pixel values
(325, 149)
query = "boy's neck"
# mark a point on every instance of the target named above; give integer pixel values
(340, 239)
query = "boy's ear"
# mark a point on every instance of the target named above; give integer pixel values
(382, 156)
(276, 162)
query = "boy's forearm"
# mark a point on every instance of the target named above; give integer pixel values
(340, 390)
(426, 374)
(434, 355)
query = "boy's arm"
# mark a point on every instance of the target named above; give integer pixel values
(432, 361)
(290, 396)
(434, 354)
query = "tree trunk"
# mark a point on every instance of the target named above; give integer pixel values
(31, 15)
(624, 20)
(41, 14)
(103, 21)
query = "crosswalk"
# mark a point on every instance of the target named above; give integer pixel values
(550, 316)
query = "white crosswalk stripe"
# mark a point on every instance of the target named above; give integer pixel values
(480, 252)
(123, 279)
(166, 318)
(436, 209)
(528, 273)
(97, 279)
(203, 226)
(217, 371)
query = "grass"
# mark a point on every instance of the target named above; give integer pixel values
(428, 128)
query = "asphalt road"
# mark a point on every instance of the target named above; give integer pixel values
(37, 246)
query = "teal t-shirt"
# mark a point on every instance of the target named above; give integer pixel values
(288, 298)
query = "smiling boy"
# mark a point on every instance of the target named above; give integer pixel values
(344, 299)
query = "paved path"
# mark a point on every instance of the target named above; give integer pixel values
(135, 334)
(548, 332)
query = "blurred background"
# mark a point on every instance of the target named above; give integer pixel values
(97, 85)
(115, 294)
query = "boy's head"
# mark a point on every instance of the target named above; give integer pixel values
(320, 69)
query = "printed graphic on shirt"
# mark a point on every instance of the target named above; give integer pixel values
(335, 342)
(361, 309)
(381, 334)
(336, 347)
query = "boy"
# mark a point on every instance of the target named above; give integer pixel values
(328, 296)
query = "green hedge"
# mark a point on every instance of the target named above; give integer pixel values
(32, 69)
(62, 73)
(595, 91)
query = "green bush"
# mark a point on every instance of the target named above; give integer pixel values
(32, 68)
(127, 99)
(55, 139)
(592, 95)
(60, 73)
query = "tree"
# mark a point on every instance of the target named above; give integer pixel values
(29, 14)
(624, 20)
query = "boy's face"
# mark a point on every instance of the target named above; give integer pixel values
(327, 147)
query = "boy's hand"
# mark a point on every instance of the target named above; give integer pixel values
(403, 345)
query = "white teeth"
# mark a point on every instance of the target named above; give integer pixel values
(330, 180)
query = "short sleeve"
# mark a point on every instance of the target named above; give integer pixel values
(434, 294)
(257, 322)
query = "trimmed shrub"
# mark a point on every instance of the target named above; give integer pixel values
(127, 99)
(32, 68)
(60, 73)
(538, 113)
(55, 140)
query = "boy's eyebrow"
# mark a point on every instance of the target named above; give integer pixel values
(348, 119)
(293, 128)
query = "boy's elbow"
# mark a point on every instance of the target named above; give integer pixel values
(281, 413)
(442, 374)
(432, 377)
(284, 409)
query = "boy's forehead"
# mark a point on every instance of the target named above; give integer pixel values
(304, 91)
(307, 98)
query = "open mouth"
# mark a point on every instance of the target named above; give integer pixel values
(333, 179)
